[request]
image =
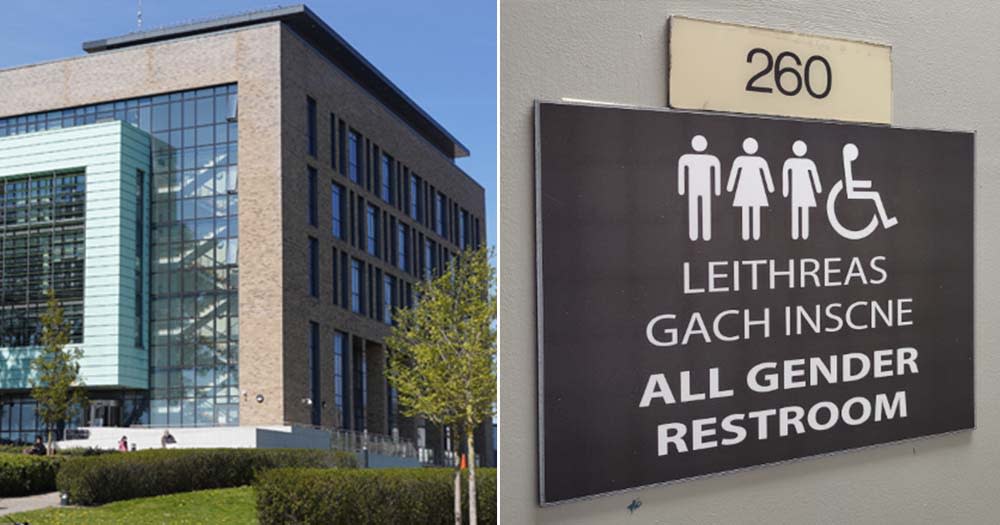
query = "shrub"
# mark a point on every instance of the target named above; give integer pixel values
(110, 477)
(84, 451)
(12, 448)
(369, 496)
(22, 475)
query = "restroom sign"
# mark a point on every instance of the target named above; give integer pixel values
(721, 292)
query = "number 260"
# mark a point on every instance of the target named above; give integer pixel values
(794, 86)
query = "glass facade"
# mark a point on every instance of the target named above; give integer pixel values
(194, 244)
(41, 248)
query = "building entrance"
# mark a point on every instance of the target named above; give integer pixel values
(104, 413)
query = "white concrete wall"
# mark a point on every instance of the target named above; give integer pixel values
(945, 75)
(207, 437)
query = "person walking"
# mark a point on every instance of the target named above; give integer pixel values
(123, 444)
(750, 178)
(800, 180)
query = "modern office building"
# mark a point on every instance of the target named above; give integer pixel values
(229, 211)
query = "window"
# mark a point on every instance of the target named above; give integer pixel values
(342, 147)
(415, 197)
(430, 256)
(357, 302)
(335, 275)
(314, 373)
(442, 215)
(312, 206)
(140, 242)
(340, 343)
(387, 178)
(354, 156)
(360, 387)
(372, 229)
(403, 237)
(313, 267)
(388, 297)
(463, 229)
(333, 141)
(477, 242)
(391, 403)
(337, 194)
(311, 125)
(345, 287)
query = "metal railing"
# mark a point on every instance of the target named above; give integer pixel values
(354, 441)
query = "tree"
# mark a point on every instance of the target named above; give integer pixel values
(55, 382)
(443, 363)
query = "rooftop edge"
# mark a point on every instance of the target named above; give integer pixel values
(328, 42)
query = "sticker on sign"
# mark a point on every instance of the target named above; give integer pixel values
(735, 68)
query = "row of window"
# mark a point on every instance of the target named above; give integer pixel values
(381, 234)
(361, 287)
(172, 111)
(359, 374)
(365, 164)
(42, 243)
(350, 380)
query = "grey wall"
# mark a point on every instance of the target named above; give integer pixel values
(945, 75)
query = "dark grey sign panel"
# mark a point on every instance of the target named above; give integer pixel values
(719, 292)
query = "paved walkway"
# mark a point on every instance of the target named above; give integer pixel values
(26, 503)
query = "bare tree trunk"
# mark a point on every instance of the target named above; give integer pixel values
(469, 438)
(51, 450)
(458, 493)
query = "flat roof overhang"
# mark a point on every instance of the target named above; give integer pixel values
(330, 44)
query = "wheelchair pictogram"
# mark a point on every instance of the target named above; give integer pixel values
(855, 189)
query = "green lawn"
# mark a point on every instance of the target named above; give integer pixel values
(220, 506)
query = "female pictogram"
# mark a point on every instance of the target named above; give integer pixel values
(800, 180)
(751, 179)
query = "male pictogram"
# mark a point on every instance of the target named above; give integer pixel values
(699, 175)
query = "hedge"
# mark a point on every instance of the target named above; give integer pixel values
(11, 448)
(22, 475)
(101, 479)
(369, 496)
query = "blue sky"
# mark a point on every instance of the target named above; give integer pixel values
(442, 53)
